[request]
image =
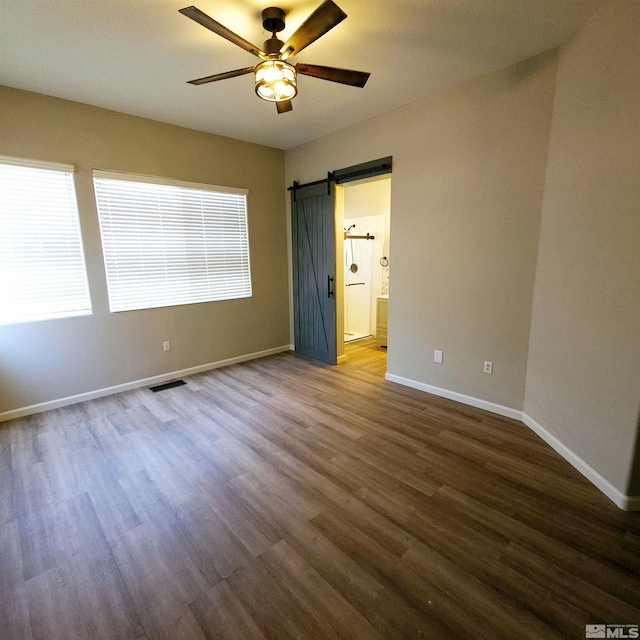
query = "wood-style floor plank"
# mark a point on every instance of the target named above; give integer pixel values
(284, 498)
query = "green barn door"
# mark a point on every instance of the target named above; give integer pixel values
(314, 260)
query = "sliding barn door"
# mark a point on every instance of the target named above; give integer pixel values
(314, 260)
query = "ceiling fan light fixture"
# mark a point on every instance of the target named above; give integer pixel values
(276, 80)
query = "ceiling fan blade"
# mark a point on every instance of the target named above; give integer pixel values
(323, 19)
(213, 25)
(222, 76)
(284, 106)
(343, 76)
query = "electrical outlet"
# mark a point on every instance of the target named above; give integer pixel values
(488, 366)
(437, 356)
(166, 345)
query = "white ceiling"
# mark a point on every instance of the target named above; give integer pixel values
(135, 56)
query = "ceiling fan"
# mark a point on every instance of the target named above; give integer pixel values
(275, 78)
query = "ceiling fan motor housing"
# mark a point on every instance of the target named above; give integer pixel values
(272, 46)
(273, 19)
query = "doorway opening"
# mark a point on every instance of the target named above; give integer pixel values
(363, 210)
(318, 253)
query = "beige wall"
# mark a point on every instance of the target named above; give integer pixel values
(48, 360)
(583, 382)
(368, 197)
(466, 188)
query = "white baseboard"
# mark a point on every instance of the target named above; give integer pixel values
(508, 412)
(625, 502)
(628, 503)
(127, 386)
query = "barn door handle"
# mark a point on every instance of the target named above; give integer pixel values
(329, 289)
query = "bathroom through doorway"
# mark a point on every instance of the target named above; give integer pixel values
(363, 221)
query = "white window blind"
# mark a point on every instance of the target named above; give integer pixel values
(42, 269)
(167, 243)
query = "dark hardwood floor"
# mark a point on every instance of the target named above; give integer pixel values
(282, 498)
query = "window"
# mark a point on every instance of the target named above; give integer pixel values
(167, 243)
(42, 270)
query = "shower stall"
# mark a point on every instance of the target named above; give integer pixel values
(362, 242)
